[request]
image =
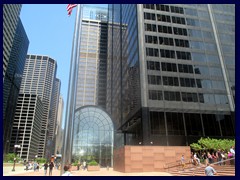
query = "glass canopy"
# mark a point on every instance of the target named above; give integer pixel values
(92, 136)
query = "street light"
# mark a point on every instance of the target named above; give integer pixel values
(81, 153)
(35, 157)
(14, 160)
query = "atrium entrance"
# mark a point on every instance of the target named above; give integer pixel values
(93, 136)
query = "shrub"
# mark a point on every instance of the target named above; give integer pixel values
(93, 163)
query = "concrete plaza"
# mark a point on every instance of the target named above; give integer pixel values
(19, 171)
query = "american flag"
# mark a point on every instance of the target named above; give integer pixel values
(70, 7)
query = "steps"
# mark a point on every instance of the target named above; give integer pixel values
(224, 170)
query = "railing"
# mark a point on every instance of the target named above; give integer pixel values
(177, 164)
(199, 167)
(193, 167)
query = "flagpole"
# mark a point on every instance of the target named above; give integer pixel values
(71, 99)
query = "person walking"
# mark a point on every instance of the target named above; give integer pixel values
(45, 168)
(209, 170)
(84, 165)
(183, 162)
(51, 165)
(219, 154)
(67, 170)
(232, 151)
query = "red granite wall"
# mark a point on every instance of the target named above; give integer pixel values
(147, 158)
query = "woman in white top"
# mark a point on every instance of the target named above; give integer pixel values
(67, 170)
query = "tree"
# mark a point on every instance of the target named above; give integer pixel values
(209, 144)
(10, 157)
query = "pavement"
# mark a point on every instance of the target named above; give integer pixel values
(19, 171)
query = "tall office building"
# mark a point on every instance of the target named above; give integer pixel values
(90, 133)
(52, 123)
(38, 79)
(59, 129)
(26, 127)
(13, 65)
(11, 14)
(91, 84)
(171, 72)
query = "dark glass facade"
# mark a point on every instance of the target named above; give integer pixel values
(12, 80)
(171, 72)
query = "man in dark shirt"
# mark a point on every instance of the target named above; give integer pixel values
(45, 168)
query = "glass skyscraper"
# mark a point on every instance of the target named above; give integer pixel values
(15, 46)
(170, 74)
(92, 129)
(165, 73)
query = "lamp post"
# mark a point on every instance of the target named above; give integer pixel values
(14, 160)
(81, 153)
(35, 157)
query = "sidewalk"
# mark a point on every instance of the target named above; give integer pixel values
(103, 172)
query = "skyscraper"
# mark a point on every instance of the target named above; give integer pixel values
(170, 77)
(88, 128)
(171, 72)
(26, 128)
(38, 79)
(52, 123)
(15, 48)
(91, 84)
(11, 14)
(59, 129)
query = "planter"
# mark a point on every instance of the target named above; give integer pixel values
(93, 168)
(74, 168)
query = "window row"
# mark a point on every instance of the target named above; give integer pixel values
(183, 55)
(167, 8)
(188, 97)
(170, 67)
(179, 31)
(180, 43)
(186, 82)
(167, 29)
(164, 53)
(193, 123)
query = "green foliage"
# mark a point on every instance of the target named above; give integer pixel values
(75, 163)
(93, 163)
(212, 144)
(41, 160)
(10, 158)
(196, 147)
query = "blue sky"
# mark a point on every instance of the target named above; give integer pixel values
(50, 32)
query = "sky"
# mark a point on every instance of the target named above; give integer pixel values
(50, 32)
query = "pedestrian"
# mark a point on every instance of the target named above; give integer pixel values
(45, 168)
(209, 156)
(183, 162)
(204, 157)
(27, 164)
(37, 169)
(232, 151)
(209, 170)
(196, 159)
(34, 166)
(51, 165)
(67, 170)
(84, 165)
(219, 155)
(78, 165)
